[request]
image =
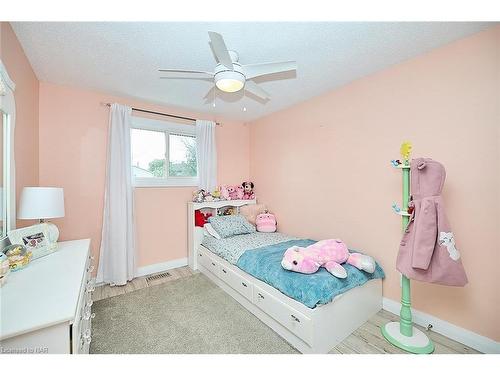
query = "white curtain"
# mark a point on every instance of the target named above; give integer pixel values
(206, 154)
(117, 256)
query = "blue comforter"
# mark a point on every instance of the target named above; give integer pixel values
(319, 288)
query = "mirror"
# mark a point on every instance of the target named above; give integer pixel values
(7, 165)
(5, 177)
(3, 206)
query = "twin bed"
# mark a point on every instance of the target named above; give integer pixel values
(312, 312)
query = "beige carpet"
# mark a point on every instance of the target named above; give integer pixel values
(189, 315)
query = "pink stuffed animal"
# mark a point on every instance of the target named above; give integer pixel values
(232, 192)
(329, 254)
(224, 192)
(266, 222)
(235, 192)
(239, 192)
(248, 190)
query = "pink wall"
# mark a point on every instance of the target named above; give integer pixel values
(323, 167)
(325, 161)
(73, 136)
(26, 95)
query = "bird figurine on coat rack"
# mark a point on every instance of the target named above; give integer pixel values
(405, 152)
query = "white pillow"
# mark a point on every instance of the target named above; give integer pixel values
(209, 229)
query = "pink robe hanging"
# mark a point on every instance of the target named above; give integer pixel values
(427, 251)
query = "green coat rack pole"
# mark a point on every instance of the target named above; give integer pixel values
(405, 323)
(402, 334)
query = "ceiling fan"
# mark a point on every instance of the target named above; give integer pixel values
(229, 74)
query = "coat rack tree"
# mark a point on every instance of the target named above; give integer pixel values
(403, 334)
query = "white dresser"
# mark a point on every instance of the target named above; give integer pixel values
(46, 307)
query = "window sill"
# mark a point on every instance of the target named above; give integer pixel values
(177, 182)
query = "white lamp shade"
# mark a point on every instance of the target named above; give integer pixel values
(41, 203)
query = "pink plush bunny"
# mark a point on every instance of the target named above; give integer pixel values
(329, 254)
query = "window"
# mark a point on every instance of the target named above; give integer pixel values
(163, 154)
(182, 159)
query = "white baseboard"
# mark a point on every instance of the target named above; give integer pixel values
(155, 268)
(462, 335)
(161, 267)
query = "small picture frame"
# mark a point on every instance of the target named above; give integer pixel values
(35, 238)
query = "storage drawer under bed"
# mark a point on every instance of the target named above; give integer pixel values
(209, 262)
(231, 278)
(290, 318)
(236, 282)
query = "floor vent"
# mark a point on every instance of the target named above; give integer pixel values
(158, 276)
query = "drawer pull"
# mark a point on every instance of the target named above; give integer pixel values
(90, 288)
(85, 340)
(213, 264)
(87, 313)
(88, 316)
(295, 318)
(245, 285)
(86, 334)
(223, 270)
(260, 296)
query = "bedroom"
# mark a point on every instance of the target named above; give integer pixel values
(111, 131)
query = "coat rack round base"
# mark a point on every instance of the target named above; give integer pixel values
(417, 343)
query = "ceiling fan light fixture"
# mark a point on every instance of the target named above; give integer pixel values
(229, 81)
(229, 75)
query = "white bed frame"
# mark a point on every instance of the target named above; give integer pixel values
(315, 330)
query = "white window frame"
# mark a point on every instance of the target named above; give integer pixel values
(167, 128)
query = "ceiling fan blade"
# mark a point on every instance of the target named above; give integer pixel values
(257, 70)
(255, 89)
(197, 72)
(191, 77)
(210, 94)
(220, 49)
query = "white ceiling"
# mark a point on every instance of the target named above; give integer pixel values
(123, 58)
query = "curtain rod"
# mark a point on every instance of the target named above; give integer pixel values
(159, 113)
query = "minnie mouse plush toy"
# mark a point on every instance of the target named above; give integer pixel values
(248, 190)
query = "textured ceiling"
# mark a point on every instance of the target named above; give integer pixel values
(123, 58)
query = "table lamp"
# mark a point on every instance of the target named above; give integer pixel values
(42, 203)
